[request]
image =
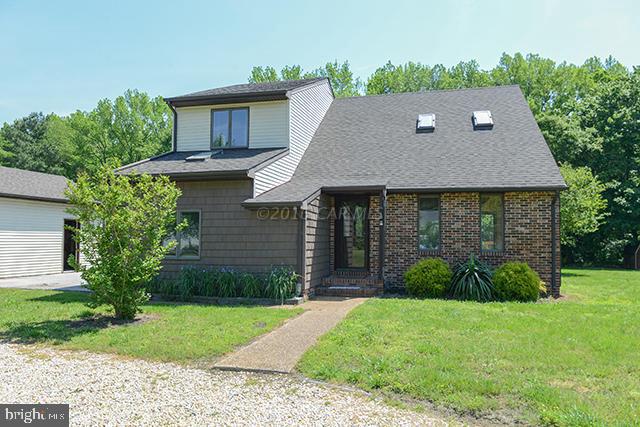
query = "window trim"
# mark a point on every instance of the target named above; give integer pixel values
(439, 249)
(502, 224)
(177, 255)
(211, 126)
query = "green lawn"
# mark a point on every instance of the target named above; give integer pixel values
(173, 332)
(570, 362)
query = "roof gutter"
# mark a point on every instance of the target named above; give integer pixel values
(34, 198)
(476, 189)
(226, 99)
(253, 206)
(194, 176)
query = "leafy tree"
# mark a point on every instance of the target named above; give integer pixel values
(4, 155)
(342, 79)
(132, 127)
(613, 112)
(264, 74)
(569, 141)
(582, 205)
(124, 221)
(28, 145)
(464, 74)
(293, 72)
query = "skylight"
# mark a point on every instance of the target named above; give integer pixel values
(482, 119)
(200, 157)
(426, 122)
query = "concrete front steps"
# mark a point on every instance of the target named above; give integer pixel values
(338, 285)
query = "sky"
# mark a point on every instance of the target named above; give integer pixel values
(62, 56)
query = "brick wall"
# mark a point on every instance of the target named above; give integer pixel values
(527, 219)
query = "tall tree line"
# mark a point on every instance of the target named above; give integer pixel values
(132, 127)
(589, 115)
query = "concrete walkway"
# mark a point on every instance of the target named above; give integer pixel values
(280, 350)
(50, 282)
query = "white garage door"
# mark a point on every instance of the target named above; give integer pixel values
(31, 237)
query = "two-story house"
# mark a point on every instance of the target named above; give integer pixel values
(353, 191)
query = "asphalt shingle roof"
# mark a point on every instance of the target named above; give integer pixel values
(228, 162)
(248, 89)
(25, 184)
(373, 139)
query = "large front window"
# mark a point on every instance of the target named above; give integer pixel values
(230, 128)
(188, 239)
(429, 223)
(491, 222)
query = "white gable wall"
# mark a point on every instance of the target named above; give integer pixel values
(31, 236)
(268, 125)
(307, 107)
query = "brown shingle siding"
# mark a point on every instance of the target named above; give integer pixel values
(231, 235)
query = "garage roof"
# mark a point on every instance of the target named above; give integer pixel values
(23, 184)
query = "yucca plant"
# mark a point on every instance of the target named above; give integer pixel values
(227, 282)
(471, 281)
(281, 283)
(251, 286)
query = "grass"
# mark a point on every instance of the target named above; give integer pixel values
(569, 362)
(171, 332)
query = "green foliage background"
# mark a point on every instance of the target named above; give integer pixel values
(589, 115)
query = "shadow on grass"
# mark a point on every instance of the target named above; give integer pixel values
(573, 275)
(58, 331)
(63, 297)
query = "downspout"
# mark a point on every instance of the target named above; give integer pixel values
(554, 252)
(383, 208)
(175, 128)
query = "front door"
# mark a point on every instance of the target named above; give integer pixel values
(352, 233)
(70, 245)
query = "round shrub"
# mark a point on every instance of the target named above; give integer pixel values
(516, 281)
(428, 278)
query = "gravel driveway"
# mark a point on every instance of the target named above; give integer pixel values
(109, 390)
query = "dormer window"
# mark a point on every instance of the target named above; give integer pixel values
(230, 128)
(426, 122)
(482, 119)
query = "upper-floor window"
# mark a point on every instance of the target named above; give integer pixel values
(429, 223)
(230, 128)
(491, 222)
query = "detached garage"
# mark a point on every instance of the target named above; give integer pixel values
(33, 239)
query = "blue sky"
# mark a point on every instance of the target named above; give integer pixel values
(60, 56)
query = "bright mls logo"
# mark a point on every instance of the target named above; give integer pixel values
(34, 415)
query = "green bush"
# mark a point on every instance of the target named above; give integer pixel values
(161, 286)
(207, 283)
(124, 224)
(428, 278)
(227, 282)
(251, 286)
(516, 281)
(472, 281)
(281, 283)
